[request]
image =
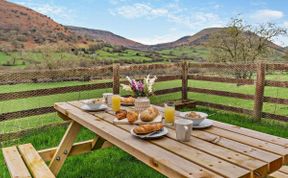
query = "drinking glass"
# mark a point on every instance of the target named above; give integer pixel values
(116, 103)
(169, 113)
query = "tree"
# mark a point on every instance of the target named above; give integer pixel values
(241, 43)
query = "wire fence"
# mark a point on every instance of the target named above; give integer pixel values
(27, 97)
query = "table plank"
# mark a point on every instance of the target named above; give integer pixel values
(159, 159)
(241, 160)
(252, 142)
(274, 160)
(254, 134)
(197, 156)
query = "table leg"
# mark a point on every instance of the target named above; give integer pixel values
(99, 143)
(64, 147)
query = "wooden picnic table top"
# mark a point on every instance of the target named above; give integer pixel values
(222, 150)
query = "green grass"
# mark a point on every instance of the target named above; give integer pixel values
(187, 51)
(113, 162)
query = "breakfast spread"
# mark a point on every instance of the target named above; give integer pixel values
(149, 114)
(128, 100)
(121, 114)
(148, 128)
(132, 116)
(193, 115)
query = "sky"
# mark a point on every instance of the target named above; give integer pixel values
(158, 21)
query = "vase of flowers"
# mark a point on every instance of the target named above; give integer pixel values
(141, 90)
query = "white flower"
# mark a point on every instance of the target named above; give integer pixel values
(126, 87)
(129, 79)
(149, 82)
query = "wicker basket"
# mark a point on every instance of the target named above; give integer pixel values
(141, 103)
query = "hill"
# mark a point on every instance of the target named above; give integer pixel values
(106, 36)
(197, 39)
(21, 27)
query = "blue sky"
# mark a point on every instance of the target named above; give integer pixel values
(158, 21)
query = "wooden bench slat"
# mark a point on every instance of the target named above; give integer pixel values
(284, 169)
(34, 162)
(278, 174)
(15, 164)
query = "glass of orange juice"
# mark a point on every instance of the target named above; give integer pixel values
(116, 103)
(169, 113)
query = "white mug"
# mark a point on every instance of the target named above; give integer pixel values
(183, 129)
(108, 98)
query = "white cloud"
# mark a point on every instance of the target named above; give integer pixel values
(139, 10)
(266, 15)
(156, 39)
(198, 20)
(172, 12)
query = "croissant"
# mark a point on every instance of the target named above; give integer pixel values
(149, 114)
(148, 128)
(132, 116)
(121, 114)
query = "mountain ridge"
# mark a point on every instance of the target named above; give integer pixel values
(21, 28)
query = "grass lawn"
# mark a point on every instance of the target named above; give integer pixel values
(113, 162)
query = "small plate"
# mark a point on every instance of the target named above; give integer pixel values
(158, 134)
(94, 107)
(204, 124)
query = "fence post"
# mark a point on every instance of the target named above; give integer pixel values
(184, 66)
(259, 91)
(116, 79)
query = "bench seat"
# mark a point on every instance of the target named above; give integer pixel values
(281, 173)
(25, 162)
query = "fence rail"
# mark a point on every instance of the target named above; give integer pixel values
(260, 83)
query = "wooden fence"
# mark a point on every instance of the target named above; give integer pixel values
(258, 98)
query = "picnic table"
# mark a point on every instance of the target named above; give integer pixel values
(222, 150)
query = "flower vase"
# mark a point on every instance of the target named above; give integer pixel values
(142, 103)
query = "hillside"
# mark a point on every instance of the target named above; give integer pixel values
(106, 36)
(197, 39)
(21, 27)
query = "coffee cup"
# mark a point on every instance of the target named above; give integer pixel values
(183, 129)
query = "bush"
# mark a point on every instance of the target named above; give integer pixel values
(21, 38)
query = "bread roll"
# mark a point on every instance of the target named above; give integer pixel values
(148, 128)
(132, 116)
(149, 114)
(121, 114)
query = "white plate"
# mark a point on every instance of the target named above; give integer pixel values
(94, 107)
(160, 133)
(204, 124)
(158, 119)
